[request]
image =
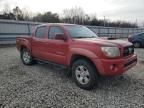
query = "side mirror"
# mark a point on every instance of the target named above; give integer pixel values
(60, 37)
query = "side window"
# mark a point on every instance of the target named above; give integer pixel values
(53, 31)
(140, 35)
(40, 32)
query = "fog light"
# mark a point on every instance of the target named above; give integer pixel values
(112, 67)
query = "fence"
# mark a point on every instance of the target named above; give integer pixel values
(9, 30)
(115, 31)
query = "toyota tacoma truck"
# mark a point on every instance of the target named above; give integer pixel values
(78, 49)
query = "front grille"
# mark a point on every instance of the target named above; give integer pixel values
(128, 51)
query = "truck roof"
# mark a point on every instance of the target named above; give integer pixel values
(56, 24)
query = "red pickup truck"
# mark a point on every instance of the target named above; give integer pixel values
(80, 50)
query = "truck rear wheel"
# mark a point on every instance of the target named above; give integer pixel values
(26, 57)
(84, 74)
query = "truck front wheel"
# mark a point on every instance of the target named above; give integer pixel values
(84, 74)
(26, 57)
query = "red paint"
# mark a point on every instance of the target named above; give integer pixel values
(60, 51)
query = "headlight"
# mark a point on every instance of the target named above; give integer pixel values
(111, 51)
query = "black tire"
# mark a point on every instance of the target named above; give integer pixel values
(137, 44)
(29, 60)
(93, 76)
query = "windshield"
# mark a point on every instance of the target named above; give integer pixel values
(78, 31)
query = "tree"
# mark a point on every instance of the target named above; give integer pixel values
(74, 15)
(27, 15)
(143, 24)
(47, 17)
(9, 16)
(6, 8)
(18, 13)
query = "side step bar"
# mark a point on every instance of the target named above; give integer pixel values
(52, 63)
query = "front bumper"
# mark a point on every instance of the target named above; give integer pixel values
(113, 67)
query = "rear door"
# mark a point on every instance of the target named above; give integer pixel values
(56, 50)
(38, 42)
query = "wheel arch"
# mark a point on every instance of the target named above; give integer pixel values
(24, 47)
(75, 57)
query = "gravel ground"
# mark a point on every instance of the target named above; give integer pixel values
(43, 86)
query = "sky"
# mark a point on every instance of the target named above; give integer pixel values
(127, 10)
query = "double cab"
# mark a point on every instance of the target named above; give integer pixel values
(75, 47)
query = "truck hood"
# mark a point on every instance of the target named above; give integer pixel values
(104, 42)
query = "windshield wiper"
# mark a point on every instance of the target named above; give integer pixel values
(79, 37)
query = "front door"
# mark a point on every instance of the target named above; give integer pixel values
(56, 50)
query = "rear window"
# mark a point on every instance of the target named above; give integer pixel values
(40, 32)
